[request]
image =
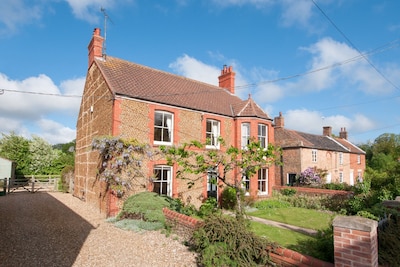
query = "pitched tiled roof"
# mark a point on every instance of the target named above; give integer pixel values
(353, 148)
(290, 138)
(144, 83)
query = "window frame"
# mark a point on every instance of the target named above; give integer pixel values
(245, 137)
(314, 155)
(167, 181)
(212, 187)
(358, 159)
(214, 135)
(341, 177)
(262, 177)
(163, 127)
(246, 184)
(340, 158)
(262, 137)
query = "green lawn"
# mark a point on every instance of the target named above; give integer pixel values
(283, 237)
(312, 219)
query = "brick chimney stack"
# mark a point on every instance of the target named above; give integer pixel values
(95, 46)
(327, 131)
(279, 121)
(227, 79)
(343, 133)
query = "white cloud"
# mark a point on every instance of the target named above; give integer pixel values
(256, 3)
(16, 13)
(26, 104)
(339, 65)
(296, 12)
(194, 69)
(55, 133)
(309, 121)
(89, 10)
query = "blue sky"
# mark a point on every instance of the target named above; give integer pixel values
(319, 62)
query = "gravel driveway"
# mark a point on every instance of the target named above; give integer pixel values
(56, 229)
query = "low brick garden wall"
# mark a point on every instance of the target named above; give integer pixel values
(184, 226)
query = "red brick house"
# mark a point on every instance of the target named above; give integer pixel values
(343, 161)
(129, 100)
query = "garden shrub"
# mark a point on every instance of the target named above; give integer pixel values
(389, 242)
(288, 191)
(146, 206)
(208, 207)
(320, 247)
(228, 198)
(227, 241)
(177, 205)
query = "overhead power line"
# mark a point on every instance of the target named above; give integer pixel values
(355, 47)
(380, 49)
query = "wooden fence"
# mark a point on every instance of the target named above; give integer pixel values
(32, 183)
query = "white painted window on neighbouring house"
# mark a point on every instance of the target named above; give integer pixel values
(341, 178)
(314, 155)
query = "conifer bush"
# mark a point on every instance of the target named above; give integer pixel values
(227, 241)
(145, 206)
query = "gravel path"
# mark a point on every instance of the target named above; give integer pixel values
(56, 229)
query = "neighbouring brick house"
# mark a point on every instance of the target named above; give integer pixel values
(343, 161)
(129, 100)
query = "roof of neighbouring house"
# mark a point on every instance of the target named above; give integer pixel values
(140, 82)
(292, 139)
(353, 148)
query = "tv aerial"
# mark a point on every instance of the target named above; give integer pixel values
(106, 18)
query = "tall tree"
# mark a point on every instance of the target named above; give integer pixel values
(43, 156)
(16, 148)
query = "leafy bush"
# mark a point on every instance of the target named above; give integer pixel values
(227, 241)
(288, 191)
(177, 205)
(389, 242)
(208, 207)
(146, 206)
(320, 247)
(228, 198)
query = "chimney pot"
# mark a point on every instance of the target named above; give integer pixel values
(343, 133)
(279, 121)
(95, 46)
(227, 79)
(327, 131)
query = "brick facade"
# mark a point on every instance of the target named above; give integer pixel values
(105, 111)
